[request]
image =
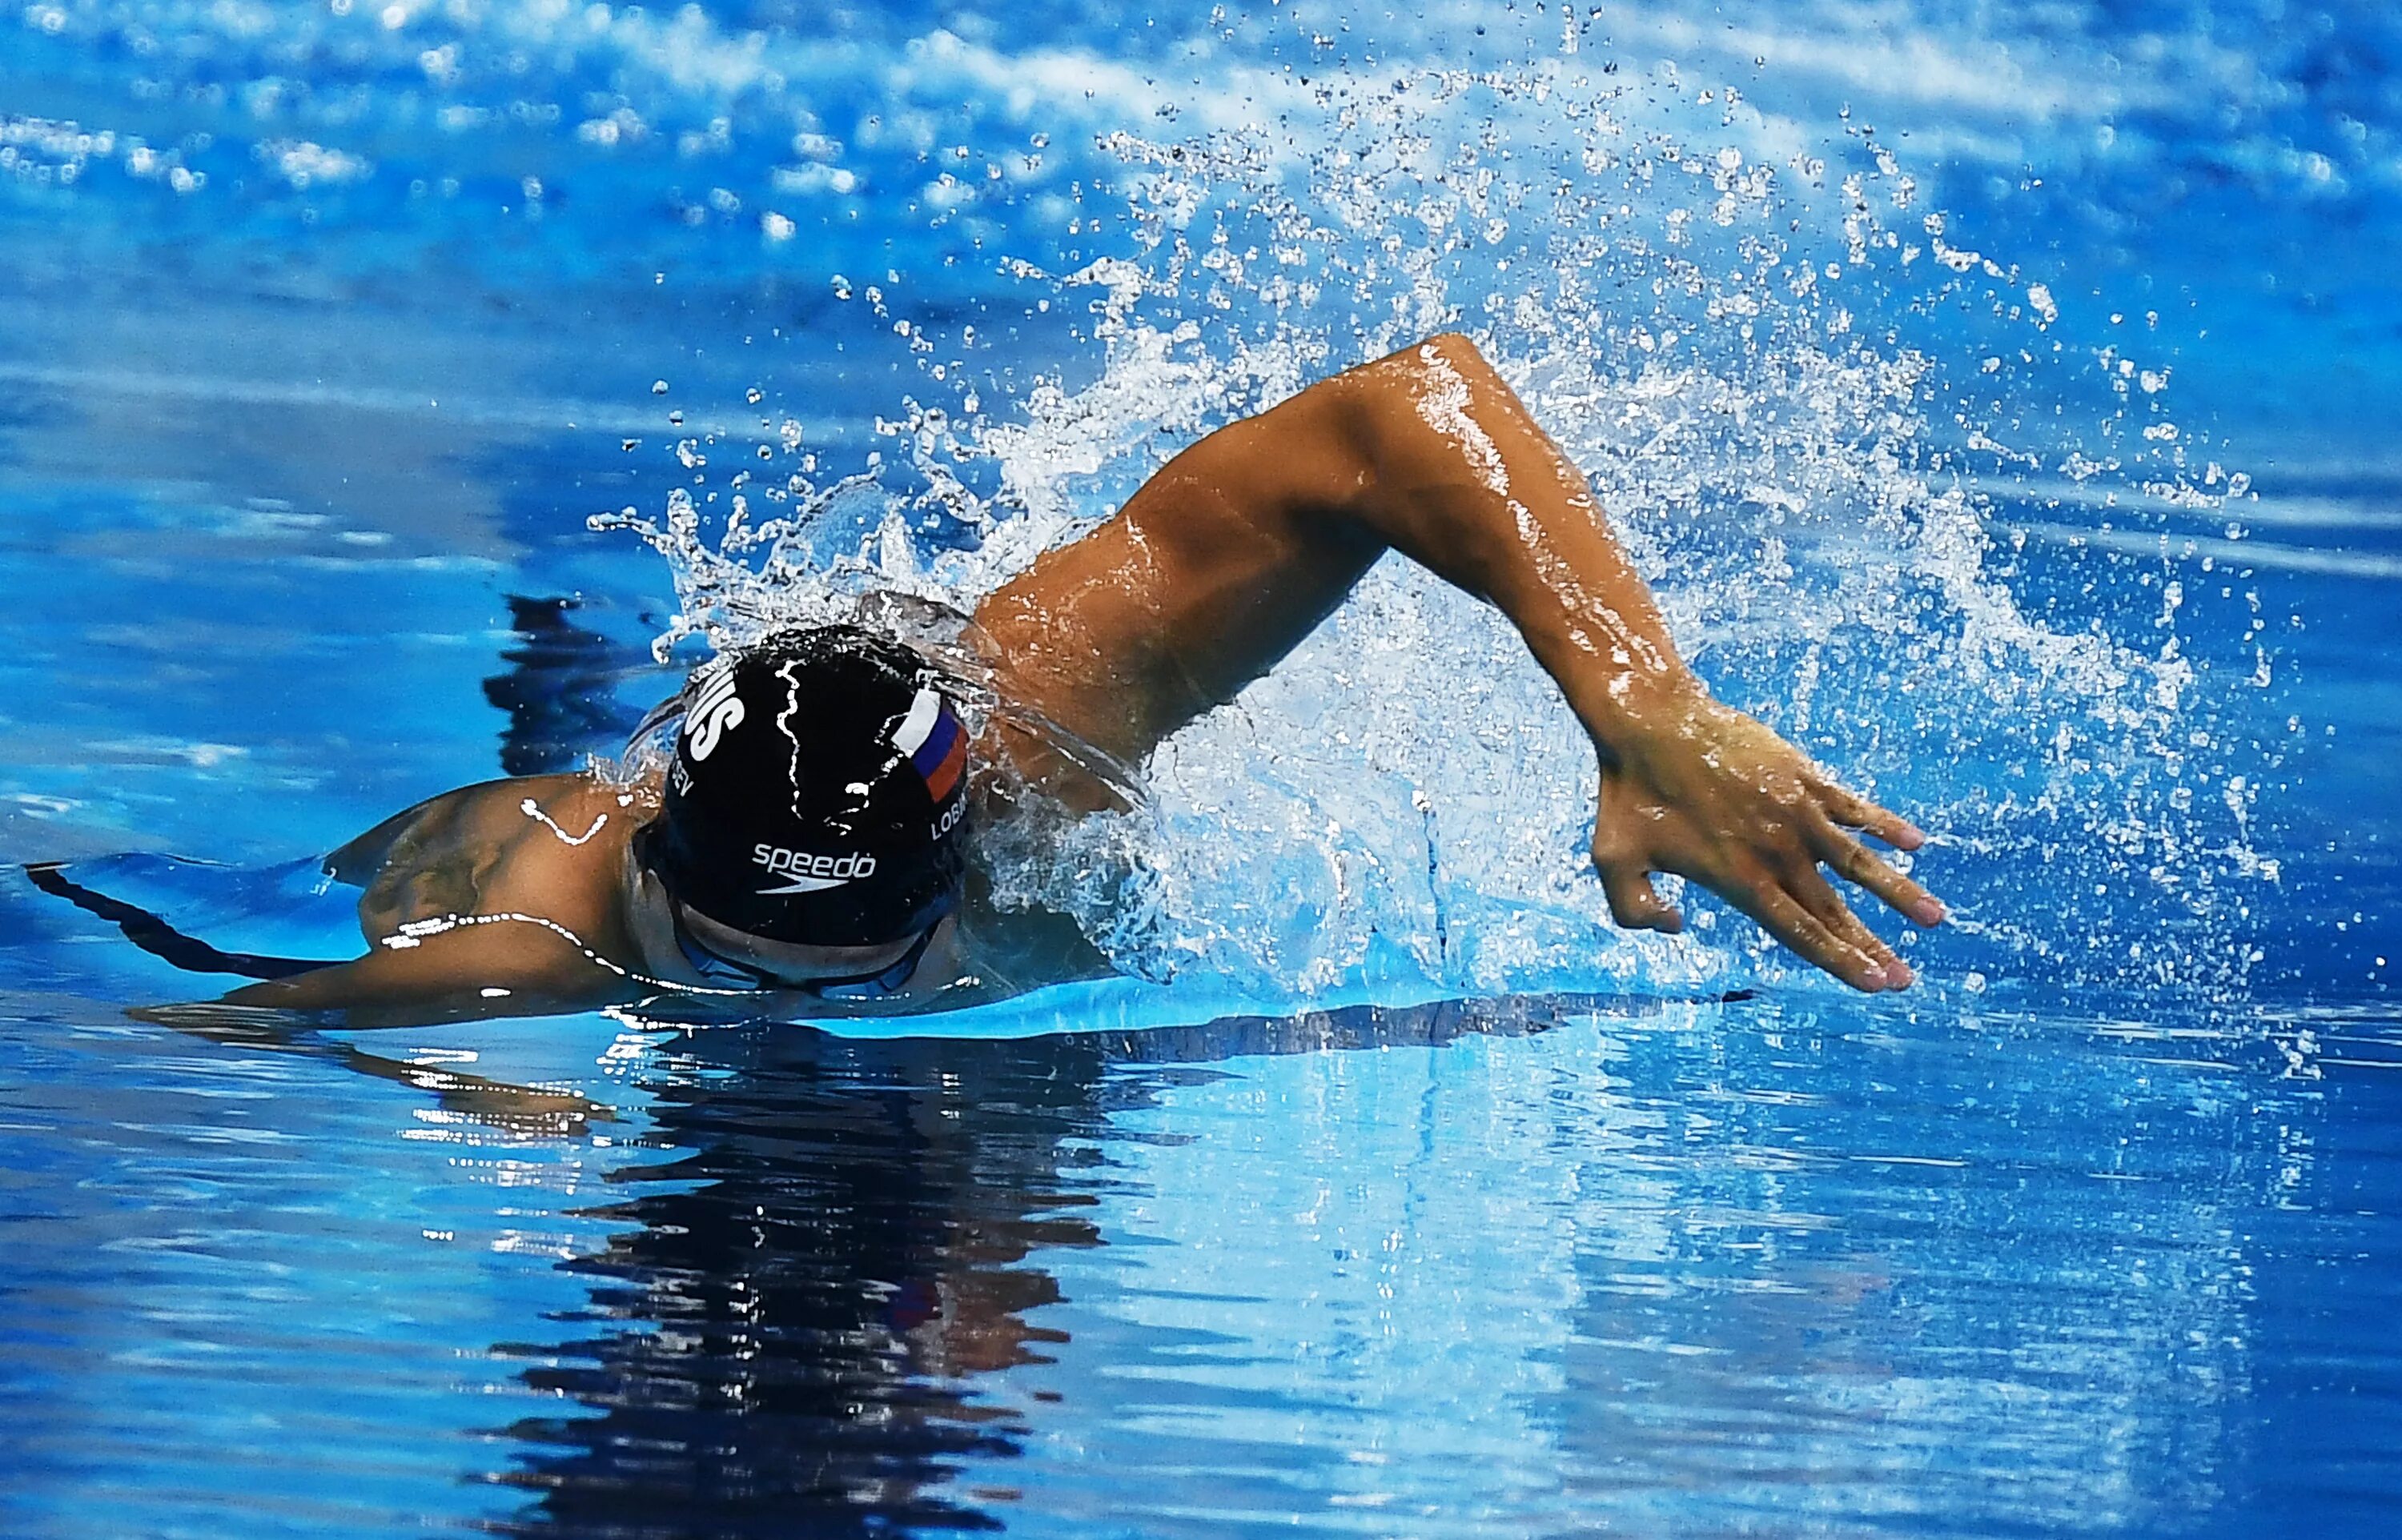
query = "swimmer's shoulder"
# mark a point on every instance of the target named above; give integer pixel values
(490, 813)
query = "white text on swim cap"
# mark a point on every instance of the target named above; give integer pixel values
(716, 710)
(810, 873)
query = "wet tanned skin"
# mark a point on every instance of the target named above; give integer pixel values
(477, 852)
(1213, 573)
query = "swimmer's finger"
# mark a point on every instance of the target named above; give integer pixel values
(1782, 915)
(1634, 903)
(1820, 899)
(1854, 811)
(1855, 863)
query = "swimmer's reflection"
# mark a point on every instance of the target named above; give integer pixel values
(559, 688)
(788, 1335)
(780, 1341)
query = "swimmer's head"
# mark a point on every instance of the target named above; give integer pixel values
(818, 793)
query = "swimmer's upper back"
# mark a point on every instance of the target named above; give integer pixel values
(544, 842)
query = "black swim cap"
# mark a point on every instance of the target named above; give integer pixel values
(818, 793)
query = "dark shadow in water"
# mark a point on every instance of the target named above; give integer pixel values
(559, 689)
(786, 1339)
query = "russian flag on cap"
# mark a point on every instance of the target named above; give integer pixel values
(935, 743)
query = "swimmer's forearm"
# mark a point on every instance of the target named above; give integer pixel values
(417, 985)
(1688, 786)
(338, 987)
(367, 995)
(1464, 481)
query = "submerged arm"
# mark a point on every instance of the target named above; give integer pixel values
(1239, 546)
(487, 966)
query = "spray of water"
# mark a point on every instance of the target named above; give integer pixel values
(1719, 324)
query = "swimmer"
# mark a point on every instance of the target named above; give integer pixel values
(808, 834)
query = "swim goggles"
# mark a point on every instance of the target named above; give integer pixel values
(732, 972)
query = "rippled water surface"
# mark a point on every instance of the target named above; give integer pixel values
(2000, 403)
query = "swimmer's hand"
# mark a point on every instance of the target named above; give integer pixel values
(1698, 789)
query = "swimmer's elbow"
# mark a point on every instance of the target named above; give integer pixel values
(1378, 412)
(1400, 377)
(1392, 388)
(1456, 351)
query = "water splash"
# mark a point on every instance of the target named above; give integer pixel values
(1719, 325)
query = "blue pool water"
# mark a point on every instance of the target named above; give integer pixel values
(1998, 397)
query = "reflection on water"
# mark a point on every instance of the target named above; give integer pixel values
(1470, 1269)
(559, 689)
(1795, 1265)
(785, 1337)
(848, 1236)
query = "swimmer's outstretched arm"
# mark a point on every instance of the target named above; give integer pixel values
(470, 973)
(1239, 546)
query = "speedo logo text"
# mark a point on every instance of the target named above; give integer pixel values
(809, 872)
